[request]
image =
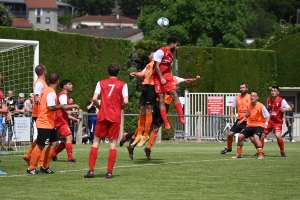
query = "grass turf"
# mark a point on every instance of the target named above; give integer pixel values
(177, 170)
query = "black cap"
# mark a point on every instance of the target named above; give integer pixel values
(64, 82)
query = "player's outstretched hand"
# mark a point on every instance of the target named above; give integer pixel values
(132, 73)
(198, 77)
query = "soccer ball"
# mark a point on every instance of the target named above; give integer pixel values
(163, 22)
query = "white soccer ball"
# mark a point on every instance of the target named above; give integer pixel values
(163, 22)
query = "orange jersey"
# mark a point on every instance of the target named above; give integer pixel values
(46, 117)
(148, 68)
(35, 108)
(242, 103)
(256, 117)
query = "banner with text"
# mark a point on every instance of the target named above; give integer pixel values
(215, 105)
(22, 129)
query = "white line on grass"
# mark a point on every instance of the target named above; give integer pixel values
(134, 165)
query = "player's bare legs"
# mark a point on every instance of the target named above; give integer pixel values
(162, 110)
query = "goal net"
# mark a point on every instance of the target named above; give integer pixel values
(18, 59)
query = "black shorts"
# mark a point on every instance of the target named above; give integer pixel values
(250, 131)
(148, 95)
(237, 128)
(34, 118)
(156, 117)
(46, 135)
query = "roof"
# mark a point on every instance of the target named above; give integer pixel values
(109, 32)
(101, 18)
(21, 22)
(58, 3)
(41, 4)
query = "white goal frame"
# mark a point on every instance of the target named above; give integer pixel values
(18, 44)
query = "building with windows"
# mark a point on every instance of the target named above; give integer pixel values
(37, 14)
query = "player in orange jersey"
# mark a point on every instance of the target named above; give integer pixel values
(276, 106)
(257, 117)
(45, 126)
(114, 96)
(163, 78)
(38, 86)
(147, 100)
(62, 121)
(240, 102)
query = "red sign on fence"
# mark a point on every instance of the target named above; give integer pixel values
(215, 105)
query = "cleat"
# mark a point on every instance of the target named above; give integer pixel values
(32, 172)
(26, 158)
(54, 158)
(137, 139)
(130, 152)
(225, 151)
(108, 175)
(283, 155)
(143, 140)
(3, 149)
(260, 157)
(147, 151)
(2, 172)
(90, 174)
(72, 160)
(257, 154)
(46, 170)
(167, 126)
(237, 156)
(292, 140)
(182, 120)
(123, 140)
(10, 149)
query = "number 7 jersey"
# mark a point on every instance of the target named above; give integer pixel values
(111, 91)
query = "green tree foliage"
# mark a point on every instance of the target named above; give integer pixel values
(93, 7)
(6, 19)
(132, 8)
(201, 23)
(65, 20)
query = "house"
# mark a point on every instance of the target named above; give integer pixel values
(100, 22)
(37, 14)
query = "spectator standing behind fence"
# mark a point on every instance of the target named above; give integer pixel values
(85, 135)
(19, 106)
(92, 109)
(28, 104)
(8, 118)
(289, 121)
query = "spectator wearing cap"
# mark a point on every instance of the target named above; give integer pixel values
(19, 108)
(28, 104)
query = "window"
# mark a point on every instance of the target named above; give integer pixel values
(38, 20)
(38, 12)
(47, 20)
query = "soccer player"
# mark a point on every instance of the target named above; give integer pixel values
(3, 110)
(157, 120)
(276, 106)
(147, 100)
(61, 121)
(163, 79)
(114, 96)
(240, 102)
(45, 126)
(257, 119)
(38, 86)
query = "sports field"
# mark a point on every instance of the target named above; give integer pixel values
(177, 170)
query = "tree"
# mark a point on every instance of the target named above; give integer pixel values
(6, 19)
(132, 8)
(202, 23)
(93, 7)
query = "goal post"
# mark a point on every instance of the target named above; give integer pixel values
(18, 59)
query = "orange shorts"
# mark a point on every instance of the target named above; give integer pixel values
(64, 130)
(160, 88)
(276, 127)
(107, 129)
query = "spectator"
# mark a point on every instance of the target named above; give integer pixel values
(289, 123)
(19, 105)
(28, 104)
(92, 109)
(85, 135)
